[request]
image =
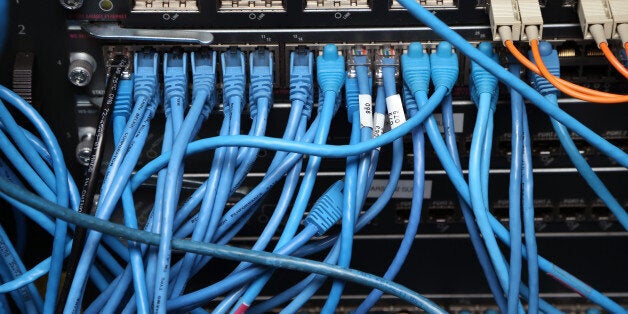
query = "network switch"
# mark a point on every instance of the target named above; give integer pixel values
(571, 222)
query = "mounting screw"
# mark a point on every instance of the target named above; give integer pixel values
(84, 149)
(81, 70)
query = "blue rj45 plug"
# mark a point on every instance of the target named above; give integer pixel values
(482, 81)
(444, 66)
(330, 70)
(145, 74)
(124, 98)
(234, 76)
(204, 78)
(327, 210)
(302, 79)
(552, 63)
(415, 67)
(175, 79)
(261, 69)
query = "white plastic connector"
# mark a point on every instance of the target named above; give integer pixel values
(530, 13)
(619, 12)
(597, 32)
(591, 12)
(622, 30)
(504, 13)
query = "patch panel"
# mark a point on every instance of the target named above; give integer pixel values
(154, 6)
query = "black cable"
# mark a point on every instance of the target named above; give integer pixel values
(90, 183)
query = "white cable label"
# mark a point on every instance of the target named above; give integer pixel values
(366, 110)
(379, 120)
(396, 115)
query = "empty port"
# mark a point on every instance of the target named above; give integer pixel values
(165, 6)
(441, 211)
(428, 4)
(545, 144)
(544, 214)
(543, 210)
(236, 6)
(572, 209)
(336, 5)
(403, 212)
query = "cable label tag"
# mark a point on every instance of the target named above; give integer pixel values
(379, 121)
(366, 110)
(396, 115)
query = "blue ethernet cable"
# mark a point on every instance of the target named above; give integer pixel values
(461, 186)
(528, 218)
(263, 258)
(330, 76)
(23, 144)
(301, 62)
(440, 28)
(154, 223)
(216, 196)
(121, 111)
(324, 214)
(18, 217)
(203, 68)
(60, 186)
(234, 82)
(47, 225)
(287, 193)
(276, 175)
(144, 86)
(28, 297)
(476, 241)
(484, 86)
(172, 190)
(415, 65)
(146, 102)
(301, 79)
(444, 72)
(219, 188)
(550, 56)
(365, 83)
(260, 102)
(395, 266)
(128, 205)
(514, 195)
(522, 153)
(302, 291)
(349, 215)
(56, 160)
(5, 276)
(197, 298)
(19, 162)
